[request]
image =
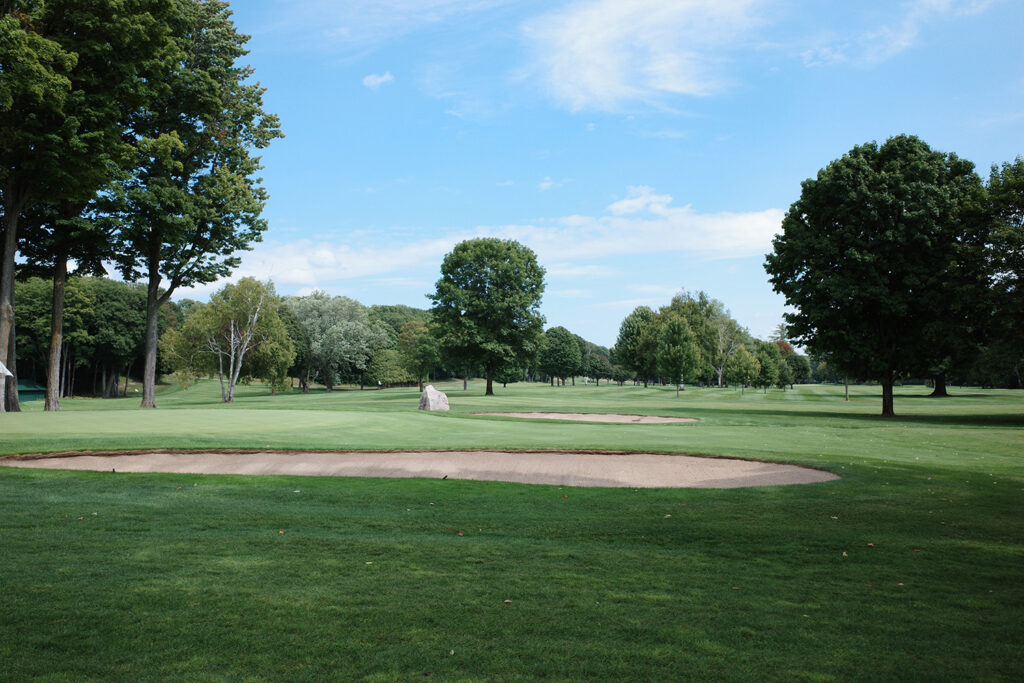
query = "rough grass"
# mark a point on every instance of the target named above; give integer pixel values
(909, 567)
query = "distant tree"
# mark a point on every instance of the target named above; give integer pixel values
(486, 305)
(800, 367)
(508, 375)
(239, 330)
(678, 353)
(419, 349)
(636, 344)
(600, 368)
(744, 368)
(769, 359)
(117, 328)
(728, 337)
(868, 257)
(386, 368)
(393, 318)
(559, 354)
(342, 339)
(621, 374)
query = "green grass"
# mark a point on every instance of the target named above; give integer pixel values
(133, 577)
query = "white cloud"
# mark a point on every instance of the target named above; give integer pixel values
(604, 53)
(374, 81)
(644, 223)
(546, 184)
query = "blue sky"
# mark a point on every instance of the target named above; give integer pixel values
(639, 147)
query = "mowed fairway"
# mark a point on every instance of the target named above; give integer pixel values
(911, 566)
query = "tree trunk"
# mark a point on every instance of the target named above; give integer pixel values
(465, 379)
(846, 386)
(153, 301)
(10, 395)
(60, 276)
(940, 387)
(490, 386)
(127, 374)
(887, 403)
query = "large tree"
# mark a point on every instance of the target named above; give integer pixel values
(34, 87)
(486, 304)
(194, 199)
(868, 253)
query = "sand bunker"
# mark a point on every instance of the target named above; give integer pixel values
(596, 417)
(633, 470)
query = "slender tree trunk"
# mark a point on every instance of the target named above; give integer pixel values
(60, 276)
(940, 387)
(127, 373)
(846, 387)
(305, 385)
(465, 379)
(490, 386)
(220, 376)
(887, 402)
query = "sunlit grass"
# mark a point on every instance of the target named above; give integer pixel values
(906, 568)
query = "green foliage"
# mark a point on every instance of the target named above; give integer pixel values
(1006, 197)
(599, 367)
(559, 354)
(419, 349)
(386, 367)
(635, 345)
(393, 318)
(770, 362)
(744, 368)
(341, 337)
(869, 257)
(678, 352)
(486, 305)
(193, 199)
(238, 335)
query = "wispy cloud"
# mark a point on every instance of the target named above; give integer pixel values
(606, 53)
(374, 81)
(358, 25)
(903, 32)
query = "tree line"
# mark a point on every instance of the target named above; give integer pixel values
(130, 130)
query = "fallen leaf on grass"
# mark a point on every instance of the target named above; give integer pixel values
(280, 531)
(508, 602)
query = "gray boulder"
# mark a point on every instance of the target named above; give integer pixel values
(432, 399)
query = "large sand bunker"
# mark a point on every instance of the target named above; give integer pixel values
(633, 470)
(596, 417)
